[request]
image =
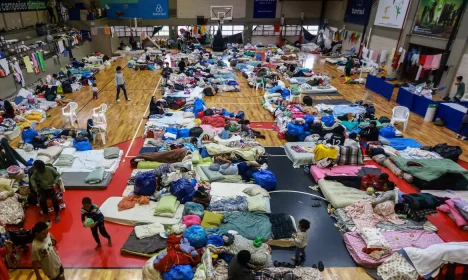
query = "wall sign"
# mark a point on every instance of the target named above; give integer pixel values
(7, 6)
(146, 9)
(391, 13)
(437, 18)
(358, 11)
(264, 9)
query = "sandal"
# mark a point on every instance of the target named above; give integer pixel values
(276, 264)
(321, 267)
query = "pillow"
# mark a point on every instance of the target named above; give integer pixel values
(211, 219)
(214, 167)
(145, 231)
(188, 115)
(191, 220)
(256, 203)
(196, 157)
(373, 238)
(148, 164)
(167, 205)
(256, 190)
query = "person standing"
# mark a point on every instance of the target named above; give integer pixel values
(460, 89)
(463, 126)
(166, 73)
(300, 241)
(182, 65)
(120, 83)
(90, 210)
(50, 11)
(45, 180)
(44, 255)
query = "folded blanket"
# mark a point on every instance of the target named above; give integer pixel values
(51, 152)
(65, 160)
(95, 176)
(112, 152)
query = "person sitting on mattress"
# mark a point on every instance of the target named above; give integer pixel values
(371, 133)
(239, 268)
(388, 194)
(351, 141)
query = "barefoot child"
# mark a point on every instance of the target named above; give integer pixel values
(95, 91)
(90, 210)
(300, 240)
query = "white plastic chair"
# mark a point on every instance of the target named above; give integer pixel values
(99, 114)
(69, 111)
(400, 114)
(259, 84)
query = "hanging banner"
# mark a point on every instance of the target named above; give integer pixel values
(7, 6)
(391, 13)
(436, 18)
(145, 9)
(264, 9)
(358, 11)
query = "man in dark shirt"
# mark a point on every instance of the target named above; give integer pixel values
(182, 65)
(239, 267)
(166, 72)
(370, 133)
(460, 88)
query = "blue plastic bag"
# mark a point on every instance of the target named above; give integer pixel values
(285, 93)
(387, 132)
(328, 120)
(145, 183)
(240, 115)
(232, 83)
(184, 132)
(179, 272)
(274, 89)
(224, 112)
(82, 145)
(204, 153)
(303, 136)
(295, 129)
(309, 119)
(28, 135)
(266, 179)
(196, 236)
(183, 190)
(198, 106)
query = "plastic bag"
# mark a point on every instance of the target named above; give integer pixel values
(198, 106)
(309, 119)
(179, 272)
(303, 136)
(145, 183)
(28, 135)
(184, 132)
(240, 115)
(328, 120)
(183, 190)
(204, 153)
(295, 129)
(266, 179)
(196, 236)
(82, 145)
(387, 132)
(275, 89)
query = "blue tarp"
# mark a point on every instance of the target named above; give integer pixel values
(403, 143)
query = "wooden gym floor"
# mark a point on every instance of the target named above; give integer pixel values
(125, 121)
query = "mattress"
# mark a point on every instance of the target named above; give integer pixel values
(140, 214)
(299, 159)
(319, 173)
(449, 194)
(177, 118)
(397, 240)
(194, 93)
(317, 89)
(145, 247)
(340, 196)
(87, 161)
(234, 189)
(76, 181)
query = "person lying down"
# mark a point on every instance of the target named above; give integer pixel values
(223, 164)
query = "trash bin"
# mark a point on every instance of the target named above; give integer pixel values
(430, 113)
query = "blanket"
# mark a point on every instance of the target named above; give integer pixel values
(364, 216)
(238, 203)
(426, 261)
(248, 225)
(247, 153)
(164, 157)
(12, 212)
(216, 121)
(434, 173)
(450, 209)
(281, 226)
(95, 176)
(148, 245)
(51, 153)
(260, 256)
(112, 152)
(403, 143)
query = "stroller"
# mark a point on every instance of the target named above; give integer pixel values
(21, 238)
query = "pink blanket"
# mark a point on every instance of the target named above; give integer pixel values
(212, 129)
(365, 216)
(397, 240)
(450, 209)
(341, 170)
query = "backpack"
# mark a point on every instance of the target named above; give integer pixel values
(66, 86)
(307, 100)
(208, 92)
(196, 131)
(439, 122)
(316, 128)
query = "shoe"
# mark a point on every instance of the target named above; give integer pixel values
(314, 266)
(458, 136)
(57, 219)
(128, 99)
(446, 98)
(264, 166)
(118, 100)
(463, 138)
(321, 267)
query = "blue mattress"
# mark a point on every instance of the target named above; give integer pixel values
(403, 143)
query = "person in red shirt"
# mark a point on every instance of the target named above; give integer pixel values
(375, 181)
(3, 252)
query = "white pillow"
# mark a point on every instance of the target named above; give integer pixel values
(373, 238)
(256, 203)
(148, 230)
(256, 190)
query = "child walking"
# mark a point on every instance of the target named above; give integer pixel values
(95, 91)
(300, 240)
(90, 210)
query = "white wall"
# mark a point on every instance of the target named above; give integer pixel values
(379, 44)
(193, 8)
(293, 9)
(29, 18)
(13, 20)
(265, 40)
(334, 10)
(347, 44)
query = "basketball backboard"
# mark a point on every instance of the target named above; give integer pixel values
(221, 12)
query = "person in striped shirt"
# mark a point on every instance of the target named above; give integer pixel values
(90, 210)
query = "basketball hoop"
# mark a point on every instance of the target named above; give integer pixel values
(221, 13)
(221, 17)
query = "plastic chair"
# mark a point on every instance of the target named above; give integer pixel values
(97, 128)
(259, 84)
(69, 111)
(99, 113)
(400, 114)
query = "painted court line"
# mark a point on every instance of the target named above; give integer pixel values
(300, 193)
(141, 121)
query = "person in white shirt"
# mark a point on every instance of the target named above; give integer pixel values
(44, 255)
(300, 240)
(351, 141)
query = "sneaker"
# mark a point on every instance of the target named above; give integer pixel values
(118, 100)
(128, 99)
(264, 166)
(463, 138)
(458, 135)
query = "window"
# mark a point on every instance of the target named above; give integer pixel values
(292, 30)
(263, 30)
(313, 29)
(126, 31)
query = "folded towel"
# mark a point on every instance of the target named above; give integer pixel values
(96, 176)
(112, 152)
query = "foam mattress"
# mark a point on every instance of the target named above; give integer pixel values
(316, 89)
(140, 214)
(338, 195)
(299, 159)
(76, 181)
(350, 170)
(87, 161)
